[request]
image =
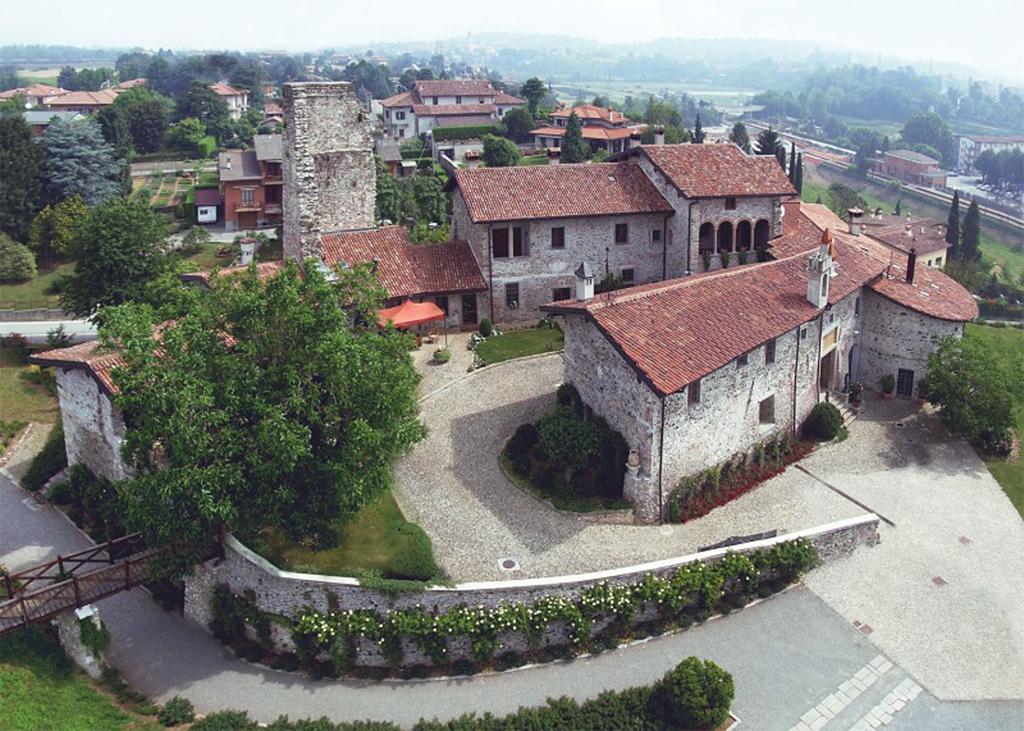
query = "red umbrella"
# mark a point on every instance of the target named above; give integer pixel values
(410, 313)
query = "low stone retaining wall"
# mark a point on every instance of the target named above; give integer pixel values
(288, 594)
(36, 315)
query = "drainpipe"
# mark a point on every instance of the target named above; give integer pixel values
(661, 462)
(689, 235)
(664, 247)
(796, 379)
(490, 270)
(817, 370)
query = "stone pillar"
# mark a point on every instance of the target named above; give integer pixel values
(199, 586)
(330, 181)
(70, 636)
(640, 489)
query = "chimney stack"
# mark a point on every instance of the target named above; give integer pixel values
(248, 245)
(820, 268)
(856, 220)
(584, 282)
(554, 155)
(911, 265)
(659, 135)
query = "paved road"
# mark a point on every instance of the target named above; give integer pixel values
(787, 655)
(35, 330)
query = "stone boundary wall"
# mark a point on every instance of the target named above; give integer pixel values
(36, 315)
(289, 594)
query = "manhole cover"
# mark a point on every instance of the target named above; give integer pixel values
(509, 564)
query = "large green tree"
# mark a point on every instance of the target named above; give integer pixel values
(186, 136)
(203, 103)
(971, 234)
(769, 143)
(574, 147)
(22, 164)
(533, 91)
(953, 227)
(518, 124)
(119, 249)
(978, 391)
(54, 229)
(431, 201)
(739, 137)
(499, 152)
(928, 128)
(80, 162)
(270, 404)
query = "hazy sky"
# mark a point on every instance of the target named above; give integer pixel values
(983, 33)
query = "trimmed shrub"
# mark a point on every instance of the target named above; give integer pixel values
(696, 694)
(823, 423)
(887, 383)
(463, 132)
(519, 447)
(17, 263)
(569, 441)
(442, 355)
(51, 459)
(486, 327)
(226, 721)
(176, 711)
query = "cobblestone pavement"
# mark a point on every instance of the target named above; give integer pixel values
(435, 375)
(451, 485)
(943, 594)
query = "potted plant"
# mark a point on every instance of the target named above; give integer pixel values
(922, 391)
(442, 356)
(888, 385)
(705, 259)
(725, 259)
(856, 394)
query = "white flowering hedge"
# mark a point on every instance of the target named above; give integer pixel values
(692, 592)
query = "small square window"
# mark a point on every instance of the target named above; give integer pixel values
(512, 295)
(442, 302)
(741, 361)
(558, 237)
(621, 233)
(730, 204)
(769, 352)
(520, 246)
(803, 333)
(766, 410)
(458, 100)
(628, 276)
(856, 306)
(561, 293)
(655, 235)
(693, 393)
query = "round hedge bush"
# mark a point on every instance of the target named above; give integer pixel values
(442, 355)
(696, 694)
(823, 423)
(17, 264)
(176, 711)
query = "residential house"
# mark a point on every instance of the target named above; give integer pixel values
(690, 383)
(603, 128)
(251, 184)
(926, 238)
(458, 102)
(36, 95)
(40, 119)
(912, 167)
(132, 83)
(970, 146)
(236, 99)
(85, 102)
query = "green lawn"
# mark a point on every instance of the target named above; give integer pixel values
(206, 258)
(1008, 473)
(40, 690)
(22, 400)
(517, 343)
(378, 539)
(34, 293)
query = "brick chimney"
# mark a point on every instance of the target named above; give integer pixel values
(330, 181)
(911, 265)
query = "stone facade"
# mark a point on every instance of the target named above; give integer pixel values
(70, 636)
(330, 179)
(94, 429)
(289, 594)
(897, 338)
(543, 268)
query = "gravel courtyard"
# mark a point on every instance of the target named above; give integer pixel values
(452, 486)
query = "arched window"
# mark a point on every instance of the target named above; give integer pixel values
(725, 236)
(706, 241)
(761, 233)
(744, 236)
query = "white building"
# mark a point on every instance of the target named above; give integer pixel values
(430, 104)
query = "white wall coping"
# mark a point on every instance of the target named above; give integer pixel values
(591, 577)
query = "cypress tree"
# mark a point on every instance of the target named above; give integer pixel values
(574, 148)
(798, 181)
(698, 131)
(792, 163)
(972, 232)
(953, 226)
(898, 210)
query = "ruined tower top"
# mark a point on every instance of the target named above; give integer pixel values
(329, 174)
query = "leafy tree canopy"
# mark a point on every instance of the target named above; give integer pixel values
(518, 123)
(769, 143)
(574, 147)
(22, 165)
(533, 91)
(739, 137)
(54, 229)
(269, 404)
(499, 152)
(80, 162)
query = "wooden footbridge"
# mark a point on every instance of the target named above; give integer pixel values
(72, 581)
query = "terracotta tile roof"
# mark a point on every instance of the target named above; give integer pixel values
(33, 91)
(590, 111)
(88, 356)
(454, 87)
(132, 83)
(507, 99)
(264, 270)
(100, 98)
(926, 236)
(715, 171)
(911, 156)
(225, 90)
(800, 235)
(558, 191)
(449, 110)
(398, 100)
(675, 332)
(406, 269)
(988, 139)
(593, 133)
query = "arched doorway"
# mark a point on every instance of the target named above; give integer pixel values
(724, 236)
(706, 239)
(761, 233)
(744, 236)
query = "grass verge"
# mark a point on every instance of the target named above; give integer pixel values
(519, 343)
(36, 292)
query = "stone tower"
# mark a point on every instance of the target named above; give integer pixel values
(329, 174)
